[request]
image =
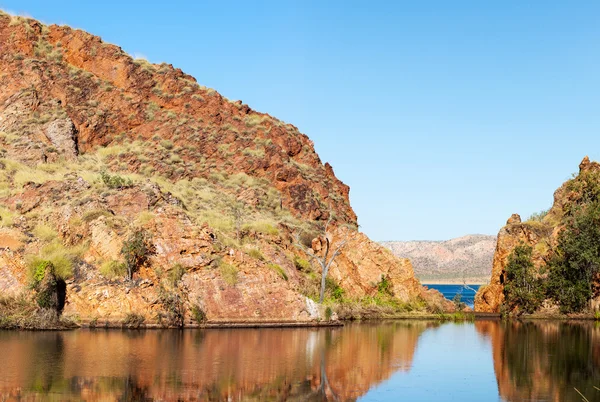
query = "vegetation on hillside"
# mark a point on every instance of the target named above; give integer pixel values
(522, 288)
(570, 273)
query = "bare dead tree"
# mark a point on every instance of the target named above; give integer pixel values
(325, 385)
(328, 256)
(465, 286)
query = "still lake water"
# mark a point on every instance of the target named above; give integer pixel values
(449, 291)
(386, 361)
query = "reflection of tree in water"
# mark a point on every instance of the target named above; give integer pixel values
(325, 364)
(324, 390)
(134, 392)
(551, 360)
(48, 363)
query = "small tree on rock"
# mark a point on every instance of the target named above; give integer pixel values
(522, 289)
(136, 251)
(328, 256)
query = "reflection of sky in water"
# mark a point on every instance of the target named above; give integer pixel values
(451, 363)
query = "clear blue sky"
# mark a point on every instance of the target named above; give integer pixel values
(444, 117)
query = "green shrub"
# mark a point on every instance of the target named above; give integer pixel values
(384, 287)
(459, 305)
(255, 253)
(176, 273)
(229, 273)
(576, 260)
(44, 232)
(261, 227)
(198, 314)
(166, 144)
(39, 271)
(115, 181)
(521, 288)
(136, 250)
(6, 217)
(328, 313)
(302, 265)
(92, 215)
(173, 306)
(280, 271)
(113, 269)
(133, 320)
(50, 289)
(538, 216)
(334, 289)
(62, 259)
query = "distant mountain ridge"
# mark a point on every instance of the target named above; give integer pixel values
(468, 257)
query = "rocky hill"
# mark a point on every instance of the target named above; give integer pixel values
(549, 263)
(136, 194)
(464, 258)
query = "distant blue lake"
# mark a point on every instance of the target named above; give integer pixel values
(449, 291)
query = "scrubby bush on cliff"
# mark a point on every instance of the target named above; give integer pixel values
(229, 272)
(329, 252)
(459, 305)
(172, 303)
(50, 289)
(133, 320)
(136, 250)
(62, 259)
(113, 269)
(576, 260)
(278, 270)
(116, 181)
(302, 265)
(522, 289)
(538, 216)
(384, 287)
(198, 314)
(175, 274)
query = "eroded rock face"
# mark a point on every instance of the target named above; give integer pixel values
(362, 264)
(78, 115)
(12, 272)
(62, 134)
(542, 236)
(490, 297)
(84, 90)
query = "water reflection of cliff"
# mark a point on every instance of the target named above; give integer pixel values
(266, 364)
(545, 361)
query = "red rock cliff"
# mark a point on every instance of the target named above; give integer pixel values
(96, 146)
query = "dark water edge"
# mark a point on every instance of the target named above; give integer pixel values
(380, 361)
(450, 290)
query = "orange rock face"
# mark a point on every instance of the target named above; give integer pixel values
(95, 146)
(82, 88)
(490, 297)
(542, 235)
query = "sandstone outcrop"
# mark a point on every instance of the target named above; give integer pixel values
(96, 146)
(541, 234)
(489, 298)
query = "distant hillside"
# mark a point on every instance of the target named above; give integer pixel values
(468, 257)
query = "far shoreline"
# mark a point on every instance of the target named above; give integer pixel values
(453, 282)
